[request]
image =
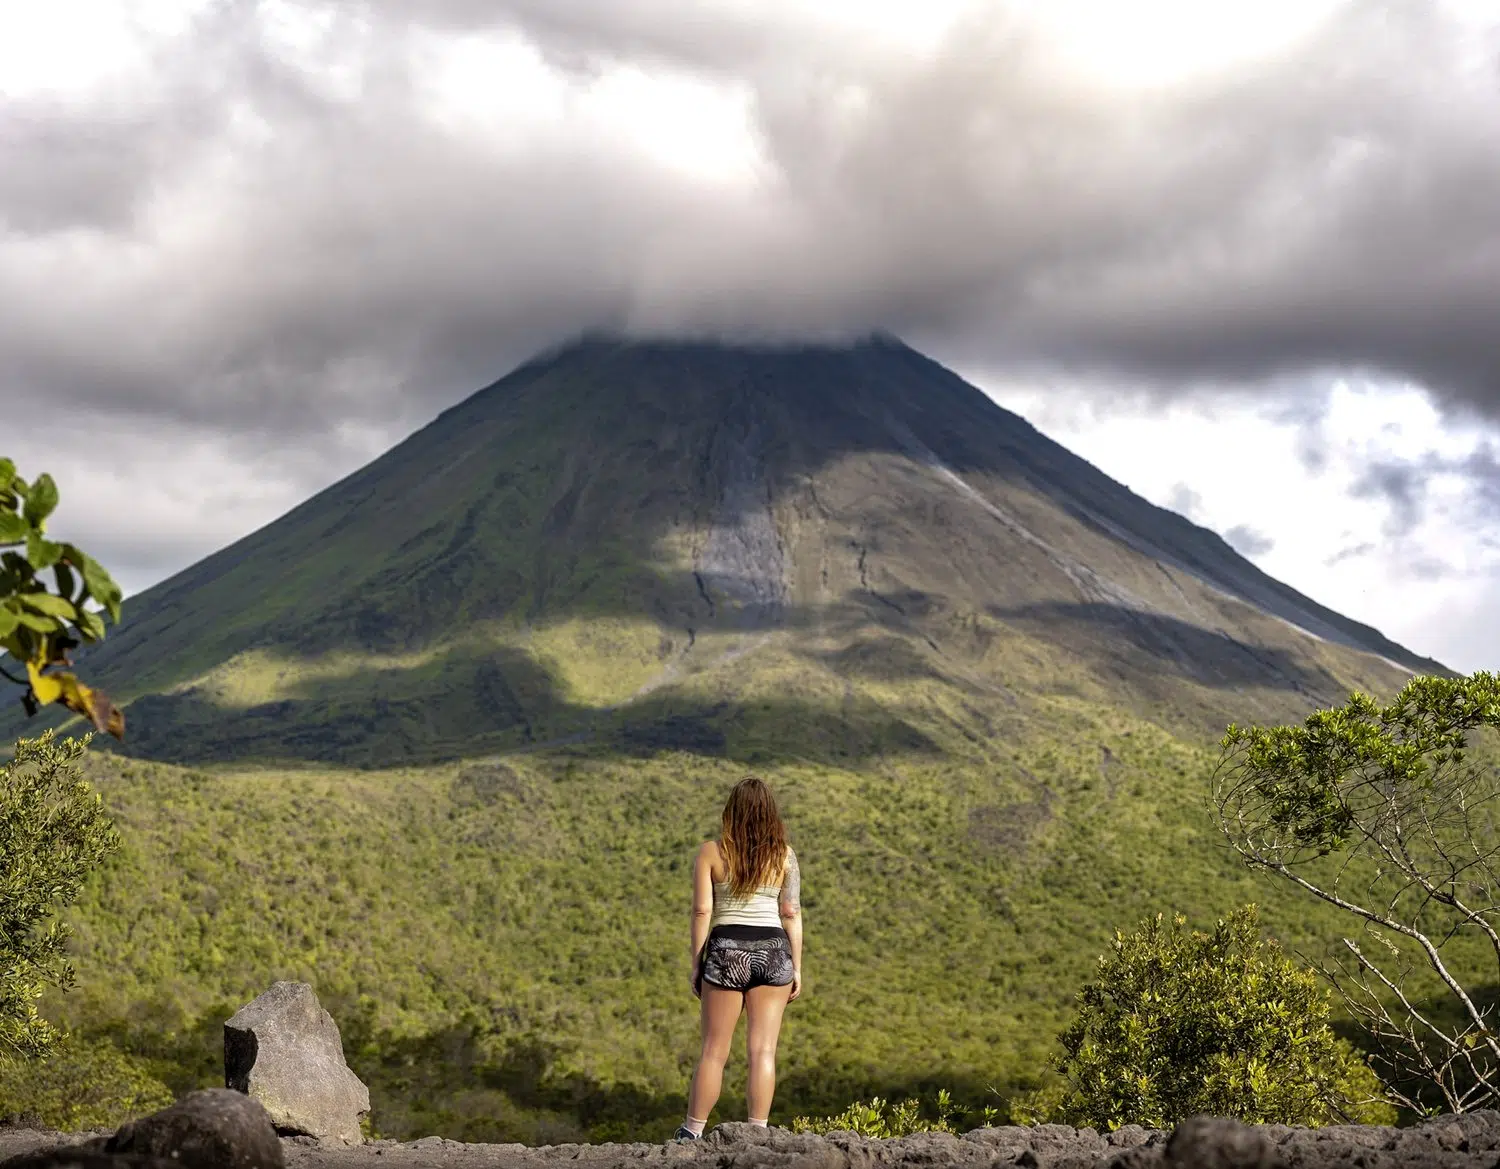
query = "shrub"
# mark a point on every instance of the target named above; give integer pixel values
(1180, 1022)
(879, 1118)
(78, 1085)
(53, 833)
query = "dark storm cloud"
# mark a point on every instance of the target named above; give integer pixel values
(249, 244)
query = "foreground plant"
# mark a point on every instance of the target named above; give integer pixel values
(41, 623)
(880, 1118)
(1378, 811)
(1179, 1022)
(53, 834)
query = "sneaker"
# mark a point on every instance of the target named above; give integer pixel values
(684, 1133)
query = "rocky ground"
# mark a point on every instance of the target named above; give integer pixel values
(1464, 1142)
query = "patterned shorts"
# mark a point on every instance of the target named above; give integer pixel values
(739, 957)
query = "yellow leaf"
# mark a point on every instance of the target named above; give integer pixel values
(44, 686)
(93, 704)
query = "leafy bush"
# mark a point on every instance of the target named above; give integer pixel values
(1180, 1022)
(53, 833)
(879, 1118)
(78, 1085)
(40, 624)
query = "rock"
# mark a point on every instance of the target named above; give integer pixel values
(283, 1050)
(212, 1129)
(87, 1159)
(1212, 1142)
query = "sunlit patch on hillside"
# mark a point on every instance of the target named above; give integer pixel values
(258, 676)
(602, 661)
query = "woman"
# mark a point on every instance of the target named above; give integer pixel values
(747, 947)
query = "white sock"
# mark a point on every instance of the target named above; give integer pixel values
(695, 1126)
(759, 1123)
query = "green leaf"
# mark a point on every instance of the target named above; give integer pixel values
(39, 622)
(41, 500)
(13, 528)
(48, 604)
(9, 619)
(90, 624)
(101, 585)
(7, 473)
(42, 553)
(67, 583)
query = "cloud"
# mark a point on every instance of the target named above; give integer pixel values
(271, 227)
(298, 214)
(1185, 501)
(1402, 485)
(1249, 542)
(1352, 552)
(1430, 568)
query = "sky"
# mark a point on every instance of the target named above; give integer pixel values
(1244, 257)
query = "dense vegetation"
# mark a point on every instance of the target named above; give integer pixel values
(53, 834)
(501, 941)
(442, 740)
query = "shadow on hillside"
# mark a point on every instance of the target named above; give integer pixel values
(1127, 642)
(461, 1084)
(467, 704)
(477, 700)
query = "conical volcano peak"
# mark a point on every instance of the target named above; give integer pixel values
(618, 524)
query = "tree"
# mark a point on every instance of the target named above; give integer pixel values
(41, 624)
(1380, 812)
(1179, 1022)
(53, 833)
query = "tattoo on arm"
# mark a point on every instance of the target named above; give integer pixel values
(791, 883)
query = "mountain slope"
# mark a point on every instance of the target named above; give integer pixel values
(613, 517)
(455, 726)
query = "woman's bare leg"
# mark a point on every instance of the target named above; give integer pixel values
(764, 1005)
(720, 1012)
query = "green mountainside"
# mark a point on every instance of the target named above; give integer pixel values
(442, 740)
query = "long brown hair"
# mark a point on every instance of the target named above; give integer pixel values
(753, 839)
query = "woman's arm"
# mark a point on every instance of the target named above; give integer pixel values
(789, 904)
(703, 905)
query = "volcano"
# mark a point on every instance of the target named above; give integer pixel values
(442, 740)
(650, 543)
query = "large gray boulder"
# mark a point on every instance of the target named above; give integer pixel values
(283, 1050)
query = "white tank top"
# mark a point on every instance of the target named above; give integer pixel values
(761, 907)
